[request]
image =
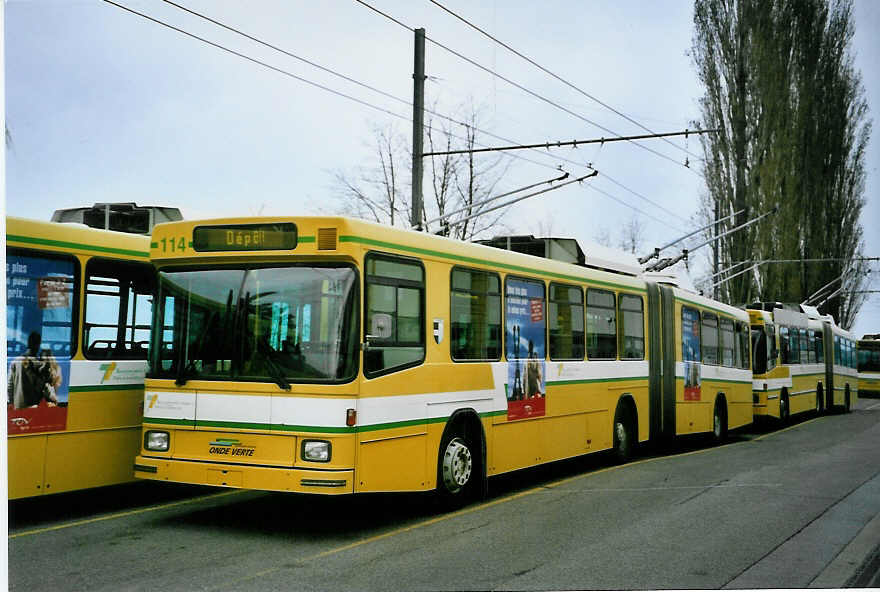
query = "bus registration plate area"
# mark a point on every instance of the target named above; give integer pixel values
(239, 448)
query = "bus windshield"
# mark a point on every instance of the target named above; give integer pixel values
(266, 324)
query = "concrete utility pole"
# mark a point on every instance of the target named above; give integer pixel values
(418, 125)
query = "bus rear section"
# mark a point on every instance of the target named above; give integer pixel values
(869, 365)
(77, 320)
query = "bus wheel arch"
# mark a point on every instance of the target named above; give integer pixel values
(625, 428)
(719, 419)
(461, 459)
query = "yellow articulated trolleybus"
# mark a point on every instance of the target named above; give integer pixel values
(78, 311)
(801, 361)
(869, 365)
(331, 355)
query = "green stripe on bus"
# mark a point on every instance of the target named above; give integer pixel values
(106, 387)
(68, 245)
(306, 239)
(594, 380)
(477, 261)
(725, 380)
(305, 428)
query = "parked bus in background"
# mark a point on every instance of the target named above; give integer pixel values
(869, 365)
(78, 310)
(802, 361)
(330, 355)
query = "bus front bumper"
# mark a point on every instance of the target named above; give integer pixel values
(331, 482)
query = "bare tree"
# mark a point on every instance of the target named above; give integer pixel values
(378, 192)
(381, 191)
(632, 236)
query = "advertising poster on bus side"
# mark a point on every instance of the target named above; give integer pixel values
(690, 346)
(39, 321)
(526, 370)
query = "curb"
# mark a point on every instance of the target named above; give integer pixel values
(857, 564)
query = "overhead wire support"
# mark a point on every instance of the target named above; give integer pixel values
(518, 199)
(573, 143)
(491, 199)
(557, 77)
(519, 86)
(363, 85)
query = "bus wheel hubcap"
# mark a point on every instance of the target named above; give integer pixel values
(621, 435)
(457, 465)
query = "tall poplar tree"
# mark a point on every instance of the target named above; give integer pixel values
(780, 85)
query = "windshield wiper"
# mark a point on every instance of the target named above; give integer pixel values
(275, 370)
(187, 371)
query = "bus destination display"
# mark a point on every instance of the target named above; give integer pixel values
(245, 237)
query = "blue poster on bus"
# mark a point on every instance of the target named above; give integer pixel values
(39, 334)
(690, 353)
(524, 331)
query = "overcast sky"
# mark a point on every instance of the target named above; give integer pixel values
(104, 105)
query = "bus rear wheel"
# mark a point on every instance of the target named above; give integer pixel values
(719, 422)
(784, 410)
(623, 437)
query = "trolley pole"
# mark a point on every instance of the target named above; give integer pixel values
(418, 125)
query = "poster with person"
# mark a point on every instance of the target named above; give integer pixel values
(39, 332)
(526, 367)
(690, 353)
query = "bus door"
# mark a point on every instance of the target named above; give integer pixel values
(661, 364)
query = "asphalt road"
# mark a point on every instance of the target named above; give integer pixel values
(796, 506)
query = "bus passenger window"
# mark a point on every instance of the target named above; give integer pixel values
(803, 343)
(601, 325)
(395, 314)
(118, 309)
(820, 348)
(742, 349)
(811, 350)
(794, 348)
(475, 323)
(710, 338)
(566, 320)
(632, 318)
(727, 343)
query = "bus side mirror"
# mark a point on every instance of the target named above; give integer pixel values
(380, 326)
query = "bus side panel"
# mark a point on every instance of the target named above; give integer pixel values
(27, 455)
(393, 460)
(90, 459)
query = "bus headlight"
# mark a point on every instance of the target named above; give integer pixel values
(157, 441)
(316, 450)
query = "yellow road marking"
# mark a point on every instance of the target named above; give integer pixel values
(129, 513)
